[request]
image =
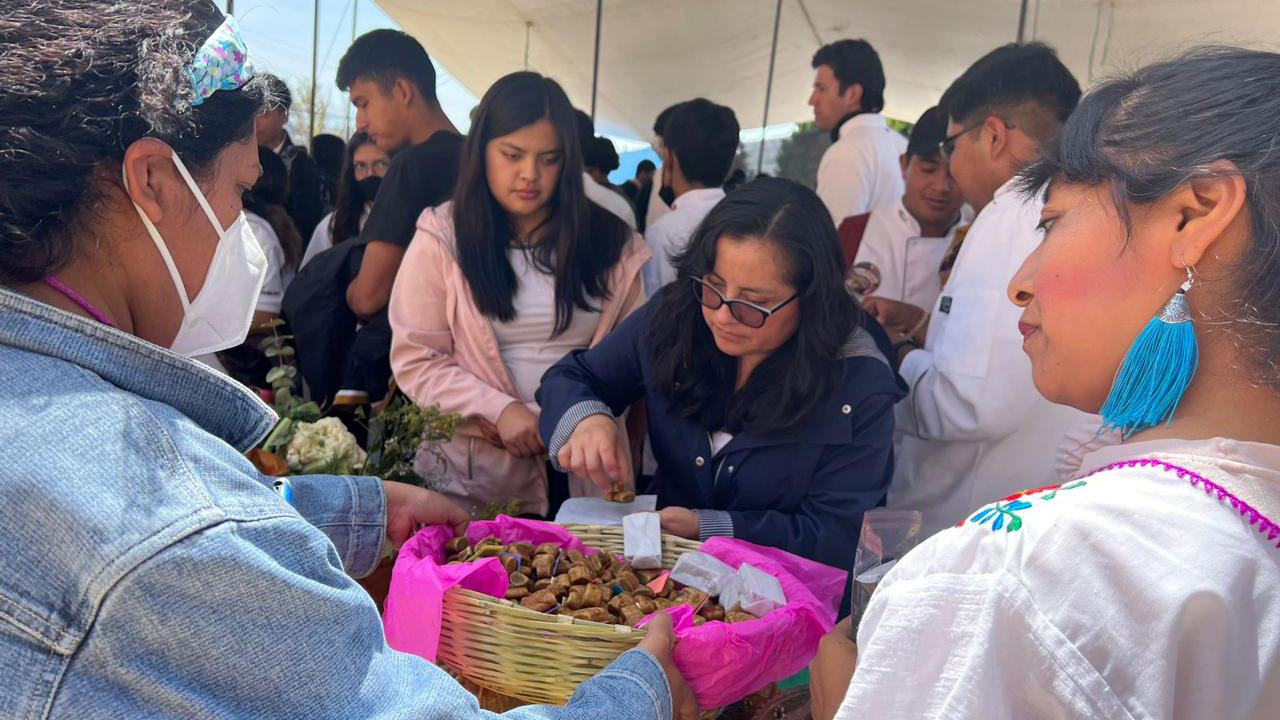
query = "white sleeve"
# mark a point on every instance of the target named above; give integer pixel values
(272, 296)
(321, 240)
(973, 382)
(969, 646)
(845, 176)
(657, 269)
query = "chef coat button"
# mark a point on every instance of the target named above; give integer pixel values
(699, 461)
(846, 409)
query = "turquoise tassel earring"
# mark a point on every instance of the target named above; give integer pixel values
(1156, 371)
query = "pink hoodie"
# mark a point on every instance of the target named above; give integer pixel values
(444, 352)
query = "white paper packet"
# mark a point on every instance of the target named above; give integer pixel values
(755, 590)
(702, 571)
(642, 540)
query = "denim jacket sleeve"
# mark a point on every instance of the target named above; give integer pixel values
(350, 510)
(256, 619)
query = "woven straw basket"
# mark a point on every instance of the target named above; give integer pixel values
(538, 658)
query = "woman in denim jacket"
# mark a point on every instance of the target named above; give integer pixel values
(148, 570)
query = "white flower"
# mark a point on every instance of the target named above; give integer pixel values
(321, 443)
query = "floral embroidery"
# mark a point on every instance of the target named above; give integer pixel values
(1004, 514)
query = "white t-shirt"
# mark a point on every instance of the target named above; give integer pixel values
(525, 343)
(322, 237)
(671, 233)
(860, 172)
(973, 427)
(609, 200)
(908, 263)
(279, 274)
(1127, 594)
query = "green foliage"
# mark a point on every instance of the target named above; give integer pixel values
(902, 126)
(400, 432)
(493, 510)
(799, 155)
(283, 379)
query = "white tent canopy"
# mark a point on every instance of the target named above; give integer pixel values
(654, 53)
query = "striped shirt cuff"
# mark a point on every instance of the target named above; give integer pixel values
(568, 423)
(714, 523)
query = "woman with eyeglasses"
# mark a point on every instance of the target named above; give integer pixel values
(363, 167)
(769, 397)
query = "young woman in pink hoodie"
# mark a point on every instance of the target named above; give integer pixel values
(499, 284)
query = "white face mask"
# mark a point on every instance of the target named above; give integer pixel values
(222, 312)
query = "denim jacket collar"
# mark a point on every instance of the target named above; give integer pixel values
(215, 402)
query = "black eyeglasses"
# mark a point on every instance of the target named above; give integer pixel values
(948, 143)
(747, 313)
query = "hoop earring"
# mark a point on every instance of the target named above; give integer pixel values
(1156, 371)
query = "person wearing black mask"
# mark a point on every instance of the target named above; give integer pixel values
(364, 165)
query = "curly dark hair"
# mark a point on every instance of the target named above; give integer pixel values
(83, 80)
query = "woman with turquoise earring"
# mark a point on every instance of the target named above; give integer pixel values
(1148, 586)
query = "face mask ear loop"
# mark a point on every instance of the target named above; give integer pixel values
(159, 243)
(195, 190)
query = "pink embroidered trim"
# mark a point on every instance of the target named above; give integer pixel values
(1265, 525)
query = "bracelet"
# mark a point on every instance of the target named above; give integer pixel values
(898, 355)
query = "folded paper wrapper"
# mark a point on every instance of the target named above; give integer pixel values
(723, 663)
(642, 540)
(754, 590)
(699, 570)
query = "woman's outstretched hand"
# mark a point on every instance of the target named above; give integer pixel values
(596, 451)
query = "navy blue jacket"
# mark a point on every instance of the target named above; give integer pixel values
(803, 490)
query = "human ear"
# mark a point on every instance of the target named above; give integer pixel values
(1203, 210)
(149, 176)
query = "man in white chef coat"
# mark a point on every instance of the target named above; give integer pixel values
(974, 429)
(859, 172)
(902, 245)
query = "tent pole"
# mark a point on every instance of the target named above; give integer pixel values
(346, 123)
(768, 87)
(1022, 22)
(528, 28)
(595, 67)
(315, 49)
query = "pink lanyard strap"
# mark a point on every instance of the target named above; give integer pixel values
(78, 299)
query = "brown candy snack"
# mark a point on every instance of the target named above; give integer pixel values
(510, 562)
(631, 615)
(580, 575)
(522, 549)
(737, 616)
(576, 599)
(456, 545)
(516, 593)
(620, 601)
(646, 605)
(540, 601)
(543, 564)
(595, 596)
(712, 611)
(547, 548)
(595, 614)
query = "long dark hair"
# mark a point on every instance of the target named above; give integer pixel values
(349, 205)
(698, 378)
(579, 242)
(1147, 133)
